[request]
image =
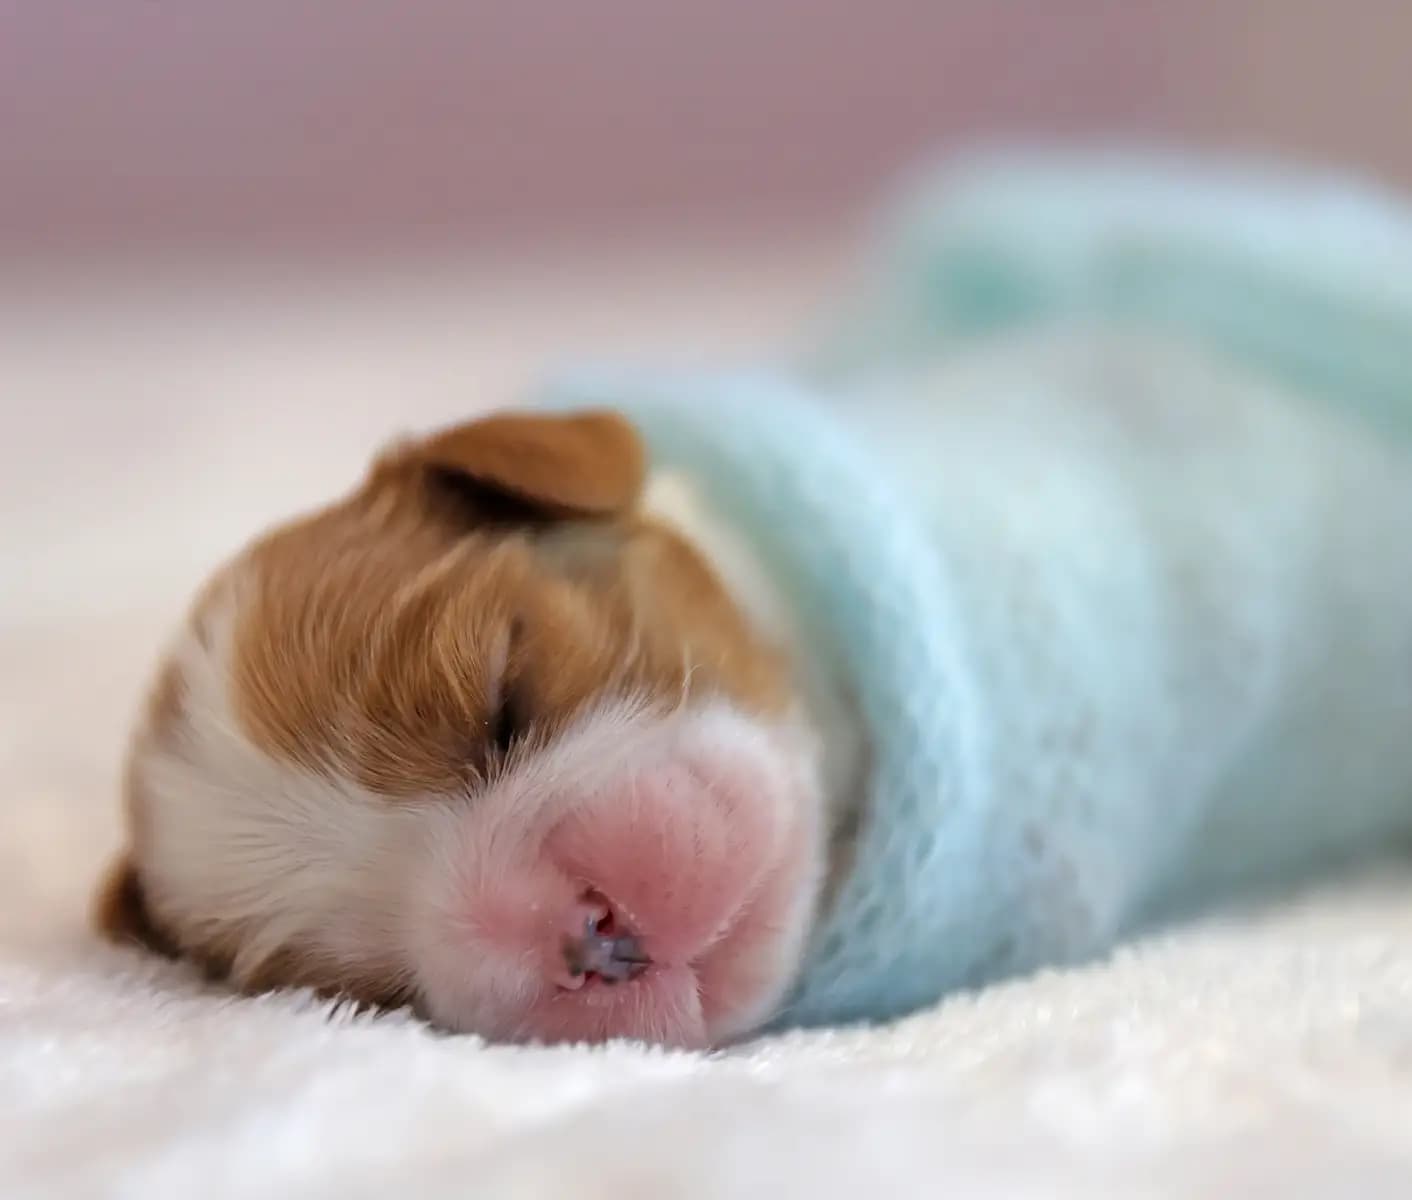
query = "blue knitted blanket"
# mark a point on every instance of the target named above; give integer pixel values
(1105, 504)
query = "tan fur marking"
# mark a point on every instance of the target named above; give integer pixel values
(367, 631)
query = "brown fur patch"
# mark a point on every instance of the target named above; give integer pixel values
(407, 651)
(404, 639)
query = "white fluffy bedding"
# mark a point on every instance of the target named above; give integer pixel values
(145, 433)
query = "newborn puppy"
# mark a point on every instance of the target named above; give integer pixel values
(496, 736)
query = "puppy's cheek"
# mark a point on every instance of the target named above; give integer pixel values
(480, 931)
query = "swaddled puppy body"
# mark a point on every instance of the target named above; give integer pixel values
(1010, 652)
(488, 738)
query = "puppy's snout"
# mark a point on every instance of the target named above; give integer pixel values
(652, 907)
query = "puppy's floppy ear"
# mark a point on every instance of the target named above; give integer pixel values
(120, 910)
(583, 464)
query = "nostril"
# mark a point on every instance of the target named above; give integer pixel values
(600, 948)
(611, 959)
(627, 957)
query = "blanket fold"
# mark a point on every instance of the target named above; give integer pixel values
(1304, 276)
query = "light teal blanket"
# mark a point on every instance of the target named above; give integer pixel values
(1102, 497)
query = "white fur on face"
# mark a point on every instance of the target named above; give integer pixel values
(673, 498)
(705, 822)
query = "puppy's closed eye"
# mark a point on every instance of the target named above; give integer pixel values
(507, 709)
(506, 725)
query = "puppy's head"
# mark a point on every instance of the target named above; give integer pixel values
(486, 738)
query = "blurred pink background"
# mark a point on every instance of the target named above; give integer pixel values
(242, 242)
(242, 125)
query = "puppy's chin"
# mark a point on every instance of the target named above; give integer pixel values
(695, 835)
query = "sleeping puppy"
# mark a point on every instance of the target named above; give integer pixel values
(512, 734)
(859, 697)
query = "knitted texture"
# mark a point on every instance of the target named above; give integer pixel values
(1127, 622)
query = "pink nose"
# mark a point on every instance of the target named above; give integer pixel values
(596, 947)
(657, 908)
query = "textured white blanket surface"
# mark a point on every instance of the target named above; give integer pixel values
(146, 431)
